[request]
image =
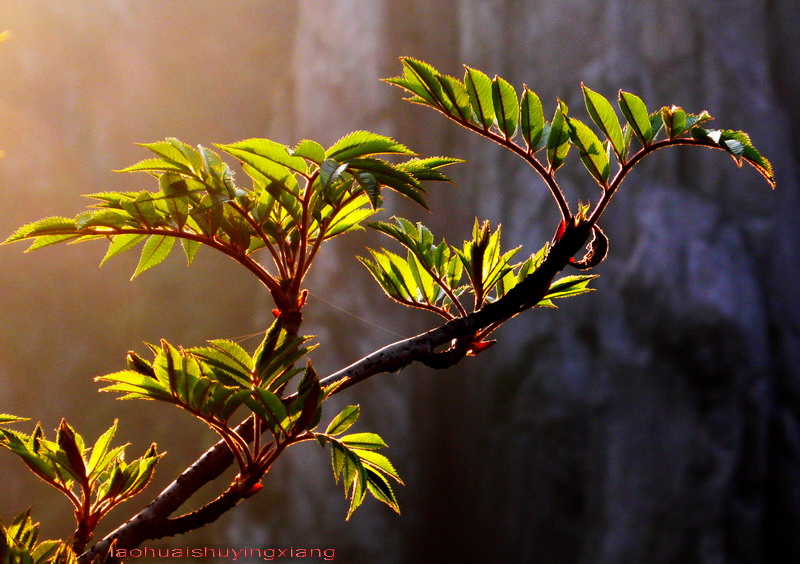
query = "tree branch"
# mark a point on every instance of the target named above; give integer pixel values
(150, 523)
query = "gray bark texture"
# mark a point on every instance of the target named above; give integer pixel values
(656, 420)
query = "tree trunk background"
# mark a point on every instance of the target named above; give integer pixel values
(653, 421)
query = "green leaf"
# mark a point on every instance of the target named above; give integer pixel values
(263, 154)
(135, 385)
(114, 219)
(72, 446)
(310, 150)
(738, 144)
(605, 117)
(122, 243)
(235, 353)
(329, 173)
(419, 78)
(141, 209)
(457, 98)
(531, 119)
(656, 125)
(380, 488)
(506, 107)
(568, 286)
(155, 250)
(392, 177)
(364, 143)
(270, 409)
(674, 119)
(379, 462)
(98, 459)
(591, 150)
(696, 119)
(157, 165)
(47, 227)
(350, 217)
(479, 90)
(558, 138)
(635, 112)
(7, 418)
(344, 420)
(190, 248)
(177, 152)
(364, 441)
(427, 168)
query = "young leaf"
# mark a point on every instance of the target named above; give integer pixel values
(154, 251)
(674, 119)
(506, 107)
(61, 228)
(566, 287)
(343, 421)
(378, 462)
(603, 115)
(479, 89)
(71, 444)
(558, 138)
(635, 112)
(592, 155)
(457, 97)
(420, 79)
(6, 418)
(738, 144)
(310, 150)
(98, 459)
(362, 144)
(364, 441)
(379, 487)
(261, 153)
(122, 243)
(531, 118)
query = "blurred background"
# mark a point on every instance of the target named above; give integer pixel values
(653, 421)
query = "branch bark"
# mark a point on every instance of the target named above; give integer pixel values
(149, 523)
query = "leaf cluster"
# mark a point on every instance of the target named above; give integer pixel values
(94, 479)
(19, 544)
(212, 382)
(355, 461)
(493, 108)
(437, 277)
(297, 198)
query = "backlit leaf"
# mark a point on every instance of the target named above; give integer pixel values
(479, 89)
(262, 153)
(343, 420)
(605, 117)
(364, 143)
(122, 243)
(506, 107)
(531, 119)
(591, 150)
(310, 150)
(635, 112)
(155, 250)
(558, 138)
